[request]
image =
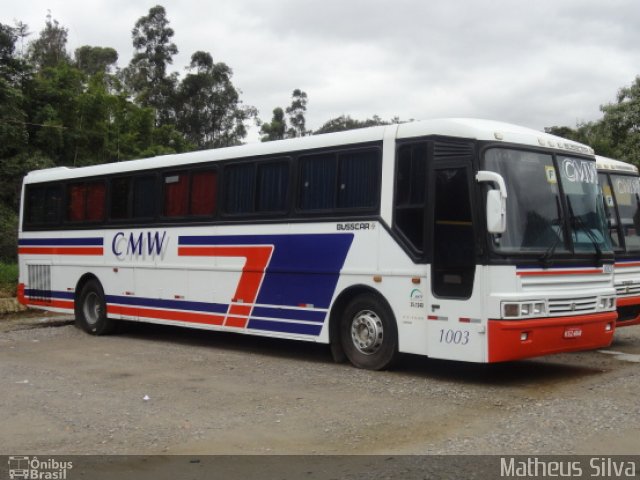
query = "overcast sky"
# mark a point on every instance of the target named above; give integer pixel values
(534, 63)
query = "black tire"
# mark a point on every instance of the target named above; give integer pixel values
(91, 310)
(368, 333)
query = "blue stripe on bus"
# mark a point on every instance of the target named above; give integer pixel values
(304, 268)
(32, 292)
(77, 242)
(284, 327)
(268, 312)
(289, 314)
(170, 304)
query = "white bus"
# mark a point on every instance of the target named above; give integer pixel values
(457, 239)
(621, 193)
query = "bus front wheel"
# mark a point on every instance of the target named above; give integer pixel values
(91, 310)
(368, 333)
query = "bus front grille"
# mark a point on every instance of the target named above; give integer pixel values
(570, 305)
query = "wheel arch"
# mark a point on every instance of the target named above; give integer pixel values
(82, 281)
(338, 307)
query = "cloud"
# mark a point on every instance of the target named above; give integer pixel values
(534, 63)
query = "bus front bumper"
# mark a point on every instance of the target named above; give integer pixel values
(517, 339)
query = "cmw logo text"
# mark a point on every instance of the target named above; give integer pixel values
(140, 244)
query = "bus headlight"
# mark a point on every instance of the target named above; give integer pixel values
(606, 303)
(530, 309)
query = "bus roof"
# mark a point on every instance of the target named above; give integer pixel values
(467, 128)
(611, 165)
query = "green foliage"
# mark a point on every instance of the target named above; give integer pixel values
(147, 73)
(276, 129)
(95, 60)
(279, 128)
(211, 114)
(8, 278)
(345, 122)
(13, 134)
(621, 122)
(296, 112)
(8, 234)
(49, 49)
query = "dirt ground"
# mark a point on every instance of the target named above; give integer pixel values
(163, 390)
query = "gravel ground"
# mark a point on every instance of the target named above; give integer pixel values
(161, 390)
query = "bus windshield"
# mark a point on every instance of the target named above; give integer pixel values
(627, 193)
(536, 212)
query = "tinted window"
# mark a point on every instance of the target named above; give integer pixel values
(239, 186)
(144, 197)
(204, 191)
(411, 178)
(176, 190)
(119, 198)
(272, 187)
(43, 205)
(318, 182)
(358, 180)
(86, 202)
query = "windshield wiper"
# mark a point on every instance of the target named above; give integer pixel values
(544, 258)
(577, 221)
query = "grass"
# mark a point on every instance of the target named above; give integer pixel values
(8, 279)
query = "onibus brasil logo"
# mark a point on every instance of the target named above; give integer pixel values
(32, 468)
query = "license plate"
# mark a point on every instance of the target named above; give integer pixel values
(572, 332)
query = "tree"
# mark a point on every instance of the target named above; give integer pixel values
(276, 129)
(279, 127)
(621, 122)
(49, 49)
(94, 60)
(296, 112)
(211, 114)
(147, 72)
(13, 133)
(345, 122)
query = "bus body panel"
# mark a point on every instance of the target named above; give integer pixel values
(282, 279)
(627, 264)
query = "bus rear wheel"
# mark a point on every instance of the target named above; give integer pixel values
(368, 333)
(91, 310)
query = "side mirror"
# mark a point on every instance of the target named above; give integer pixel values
(496, 212)
(496, 201)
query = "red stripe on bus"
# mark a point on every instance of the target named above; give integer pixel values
(257, 258)
(22, 299)
(65, 304)
(558, 272)
(627, 264)
(61, 251)
(165, 314)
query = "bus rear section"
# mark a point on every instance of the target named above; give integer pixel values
(620, 192)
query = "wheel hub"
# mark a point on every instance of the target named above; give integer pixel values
(367, 332)
(92, 308)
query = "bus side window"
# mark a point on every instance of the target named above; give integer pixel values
(358, 179)
(411, 177)
(239, 188)
(85, 202)
(317, 182)
(144, 196)
(176, 186)
(120, 198)
(272, 187)
(204, 192)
